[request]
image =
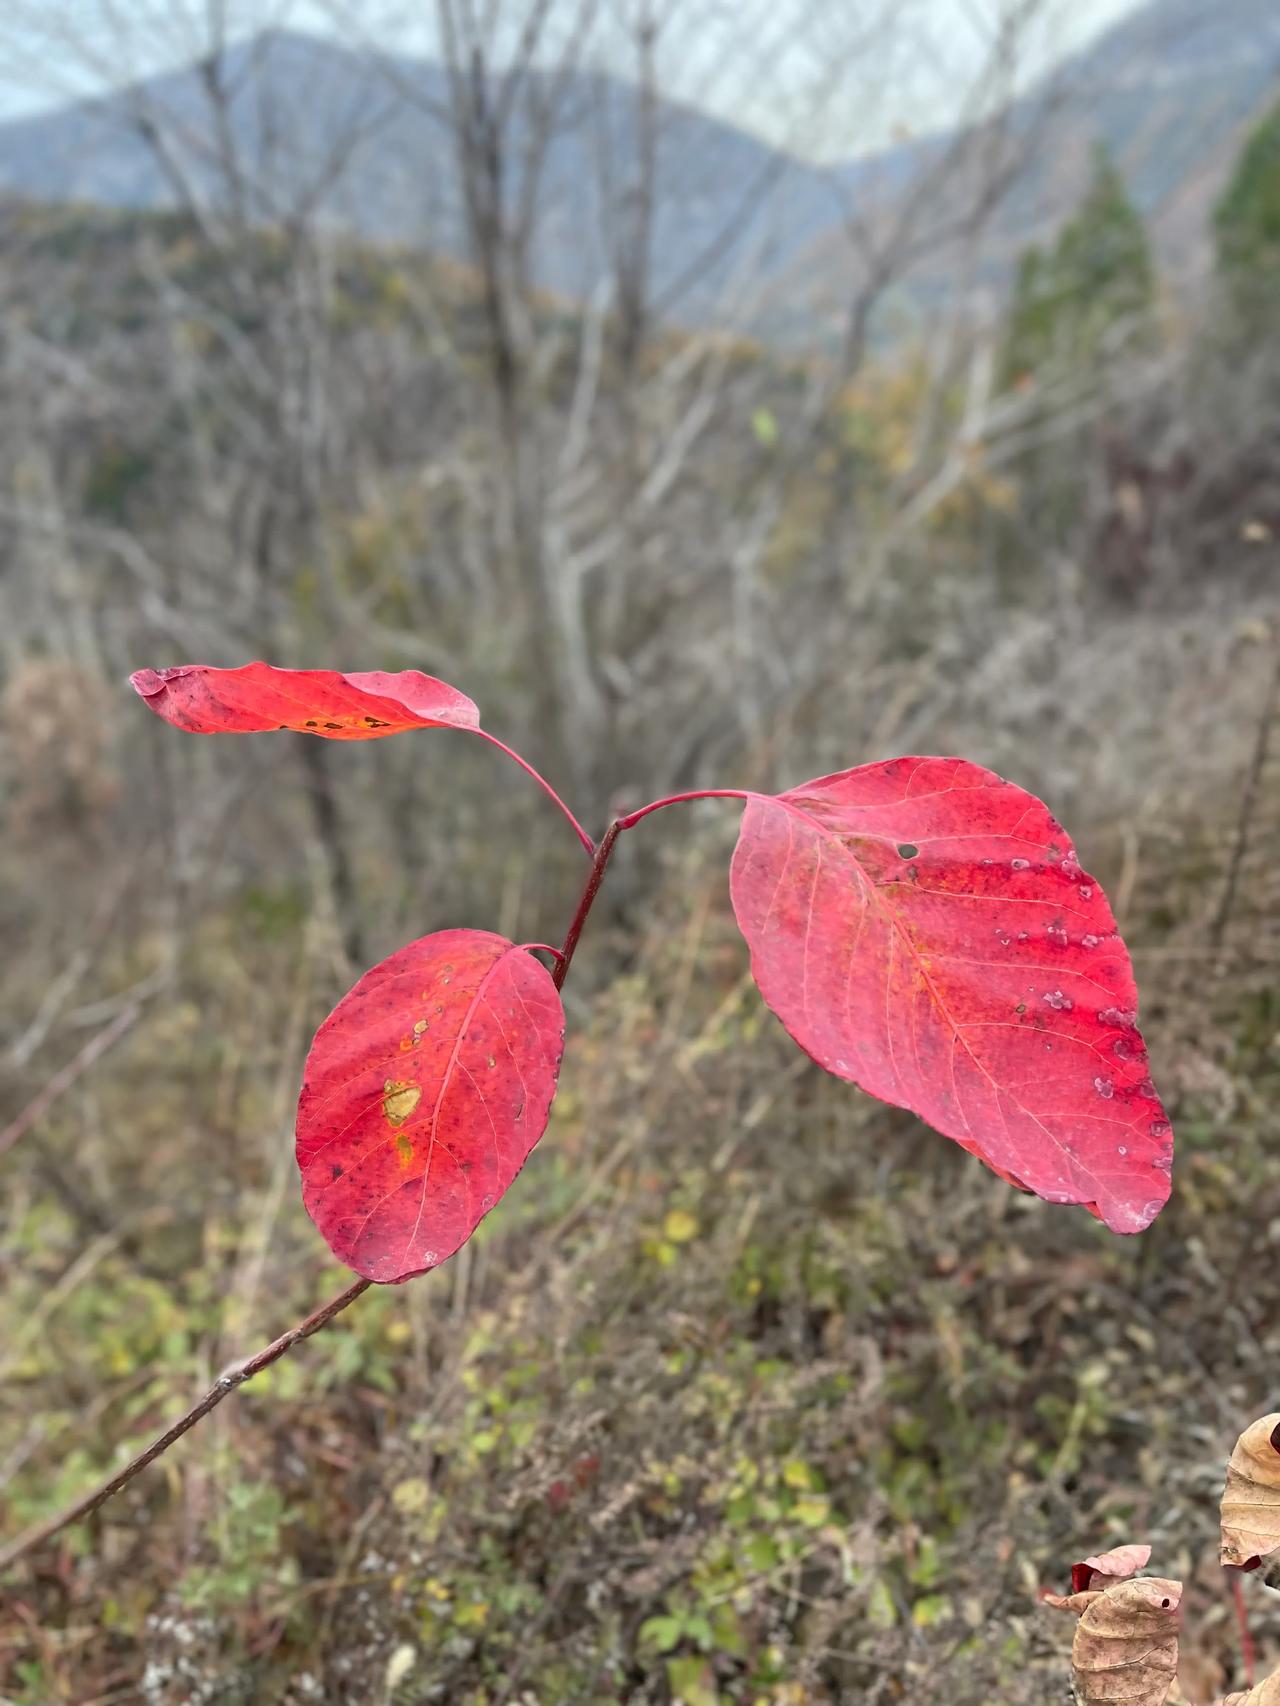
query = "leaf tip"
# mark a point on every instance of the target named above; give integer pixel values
(1131, 1217)
(147, 682)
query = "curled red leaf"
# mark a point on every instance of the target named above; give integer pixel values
(422, 1096)
(924, 929)
(360, 705)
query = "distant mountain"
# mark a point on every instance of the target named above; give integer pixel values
(1170, 90)
(1173, 90)
(364, 139)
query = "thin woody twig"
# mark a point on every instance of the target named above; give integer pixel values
(235, 1374)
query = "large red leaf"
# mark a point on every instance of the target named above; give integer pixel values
(362, 705)
(424, 1091)
(923, 928)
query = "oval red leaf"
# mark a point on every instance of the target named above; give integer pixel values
(362, 705)
(424, 1091)
(923, 929)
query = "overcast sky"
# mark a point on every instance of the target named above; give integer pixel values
(769, 65)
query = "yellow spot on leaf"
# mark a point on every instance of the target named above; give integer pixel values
(399, 1100)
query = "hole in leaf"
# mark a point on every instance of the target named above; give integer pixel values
(907, 851)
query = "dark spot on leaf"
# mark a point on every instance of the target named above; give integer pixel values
(907, 851)
(313, 724)
(333, 725)
(1021, 1007)
(336, 1172)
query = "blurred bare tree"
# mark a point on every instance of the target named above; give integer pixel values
(626, 521)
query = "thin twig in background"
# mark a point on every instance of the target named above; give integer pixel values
(1249, 799)
(62, 1081)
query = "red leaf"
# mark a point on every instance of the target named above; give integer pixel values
(922, 928)
(362, 705)
(424, 1091)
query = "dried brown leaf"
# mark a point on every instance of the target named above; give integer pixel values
(1265, 1694)
(1126, 1644)
(1076, 1602)
(1251, 1498)
(1114, 1566)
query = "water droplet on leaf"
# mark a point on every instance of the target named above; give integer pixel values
(1118, 1016)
